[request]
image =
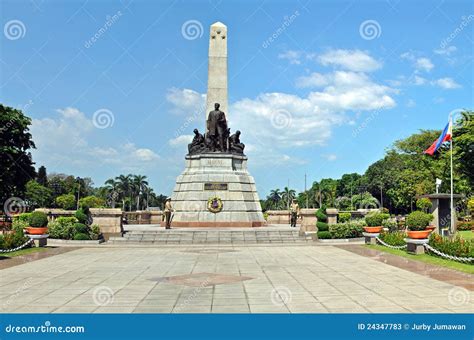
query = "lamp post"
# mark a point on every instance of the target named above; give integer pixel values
(78, 179)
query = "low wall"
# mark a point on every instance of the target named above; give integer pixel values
(109, 220)
(278, 217)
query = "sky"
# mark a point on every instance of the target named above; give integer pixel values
(320, 88)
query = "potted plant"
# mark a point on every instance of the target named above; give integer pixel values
(417, 222)
(38, 223)
(374, 222)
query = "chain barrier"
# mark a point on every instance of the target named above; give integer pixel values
(17, 248)
(450, 257)
(390, 246)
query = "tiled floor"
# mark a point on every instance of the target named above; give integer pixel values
(278, 279)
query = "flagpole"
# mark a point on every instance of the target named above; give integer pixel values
(452, 187)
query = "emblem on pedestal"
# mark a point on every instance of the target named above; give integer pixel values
(214, 204)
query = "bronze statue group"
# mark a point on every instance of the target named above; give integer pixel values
(217, 137)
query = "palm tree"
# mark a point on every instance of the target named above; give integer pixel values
(112, 187)
(275, 197)
(288, 195)
(124, 186)
(140, 185)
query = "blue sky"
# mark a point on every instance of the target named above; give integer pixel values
(319, 87)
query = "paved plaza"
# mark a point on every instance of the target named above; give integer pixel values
(223, 279)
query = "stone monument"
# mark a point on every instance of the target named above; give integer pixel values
(216, 189)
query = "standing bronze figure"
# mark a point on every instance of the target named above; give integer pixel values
(217, 129)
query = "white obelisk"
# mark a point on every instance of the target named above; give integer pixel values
(217, 73)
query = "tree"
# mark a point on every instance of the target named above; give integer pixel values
(91, 202)
(139, 184)
(112, 187)
(287, 196)
(124, 185)
(67, 201)
(42, 178)
(37, 195)
(16, 166)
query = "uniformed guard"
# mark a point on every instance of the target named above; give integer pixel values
(168, 210)
(295, 212)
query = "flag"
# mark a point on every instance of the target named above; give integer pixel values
(445, 136)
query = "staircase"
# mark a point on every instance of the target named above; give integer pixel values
(145, 235)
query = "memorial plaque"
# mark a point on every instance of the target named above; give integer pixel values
(215, 186)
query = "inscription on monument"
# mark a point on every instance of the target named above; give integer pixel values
(215, 186)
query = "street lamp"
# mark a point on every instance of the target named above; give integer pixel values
(78, 179)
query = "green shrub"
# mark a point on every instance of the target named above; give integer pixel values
(95, 232)
(418, 220)
(81, 216)
(62, 228)
(424, 204)
(375, 219)
(322, 226)
(81, 237)
(455, 247)
(38, 219)
(394, 239)
(67, 201)
(19, 224)
(321, 216)
(346, 230)
(265, 216)
(12, 240)
(80, 228)
(344, 217)
(391, 224)
(24, 217)
(465, 226)
(324, 235)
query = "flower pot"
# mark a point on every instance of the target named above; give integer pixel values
(37, 231)
(430, 227)
(419, 234)
(373, 230)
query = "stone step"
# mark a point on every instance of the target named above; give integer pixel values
(209, 236)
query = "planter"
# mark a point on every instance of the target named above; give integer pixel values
(36, 231)
(418, 234)
(373, 230)
(430, 227)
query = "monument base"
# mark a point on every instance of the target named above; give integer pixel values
(216, 190)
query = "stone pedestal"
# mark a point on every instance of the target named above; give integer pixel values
(370, 238)
(40, 240)
(331, 213)
(219, 175)
(415, 246)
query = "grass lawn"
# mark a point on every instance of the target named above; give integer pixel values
(24, 251)
(466, 234)
(463, 267)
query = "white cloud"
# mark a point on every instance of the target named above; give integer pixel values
(424, 64)
(294, 57)
(330, 157)
(419, 63)
(411, 103)
(68, 141)
(313, 80)
(446, 83)
(352, 60)
(181, 140)
(185, 101)
(446, 51)
(417, 80)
